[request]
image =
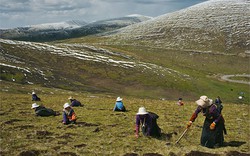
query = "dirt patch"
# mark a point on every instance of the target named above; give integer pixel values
(172, 154)
(12, 121)
(96, 130)
(234, 143)
(113, 125)
(168, 136)
(67, 135)
(80, 146)
(85, 124)
(198, 153)
(236, 153)
(29, 153)
(24, 127)
(40, 135)
(67, 154)
(130, 154)
(152, 154)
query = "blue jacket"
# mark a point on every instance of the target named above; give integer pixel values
(119, 106)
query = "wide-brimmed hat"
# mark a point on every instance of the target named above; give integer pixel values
(66, 105)
(118, 99)
(70, 98)
(34, 105)
(142, 111)
(204, 101)
(33, 93)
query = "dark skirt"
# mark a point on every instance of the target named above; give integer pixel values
(210, 138)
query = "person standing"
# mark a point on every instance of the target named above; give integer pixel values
(212, 131)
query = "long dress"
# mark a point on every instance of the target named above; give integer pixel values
(210, 138)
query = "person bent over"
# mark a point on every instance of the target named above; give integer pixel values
(69, 116)
(42, 111)
(213, 127)
(74, 102)
(147, 122)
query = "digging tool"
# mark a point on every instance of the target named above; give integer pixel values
(181, 135)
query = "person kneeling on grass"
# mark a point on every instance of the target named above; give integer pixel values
(119, 105)
(42, 111)
(148, 123)
(74, 102)
(35, 97)
(69, 115)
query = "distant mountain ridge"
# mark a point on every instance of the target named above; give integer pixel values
(214, 25)
(70, 29)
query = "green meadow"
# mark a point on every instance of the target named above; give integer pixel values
(100, 131)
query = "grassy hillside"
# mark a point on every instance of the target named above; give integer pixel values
(93, 65)
(100, 131)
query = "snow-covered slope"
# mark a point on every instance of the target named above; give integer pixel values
(215, 25)
(71, 29)
(60, 25)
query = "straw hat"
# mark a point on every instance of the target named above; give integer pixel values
(66, 105)
(70, 98)
(204, 101)
(142, 111)
(119, 99)
(34, 105)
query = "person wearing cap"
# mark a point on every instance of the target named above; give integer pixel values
(69, 115)
(212, 131)
(42, 111)
(35, 97)
(74, 102)
(119, 105)
(147, 122)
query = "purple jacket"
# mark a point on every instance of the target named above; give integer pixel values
(211, 113)
(143, 120)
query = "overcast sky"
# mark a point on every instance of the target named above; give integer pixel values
(18, 13)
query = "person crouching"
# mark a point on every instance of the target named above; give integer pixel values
(148, 123)
(69, 115)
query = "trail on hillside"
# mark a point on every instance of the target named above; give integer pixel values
(227, 78)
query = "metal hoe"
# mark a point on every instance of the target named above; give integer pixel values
(181, 135)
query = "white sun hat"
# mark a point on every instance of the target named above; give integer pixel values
(204, 101)
(70, 98)
(119, 99)
(33, 93)
(34, 105)
(142, 111)
(66, 105)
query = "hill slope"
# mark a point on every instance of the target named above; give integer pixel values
(65, 30)
(215, 25)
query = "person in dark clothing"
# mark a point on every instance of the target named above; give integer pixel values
(119, 106)
(148, 123)
(218, 103)
(35, 97)
(212, 131)
(42, 111)
(74, 102)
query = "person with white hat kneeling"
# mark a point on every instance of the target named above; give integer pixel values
(147, 122)
(119, 105)
(213, 127)
(42, 111)
(69, 115)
